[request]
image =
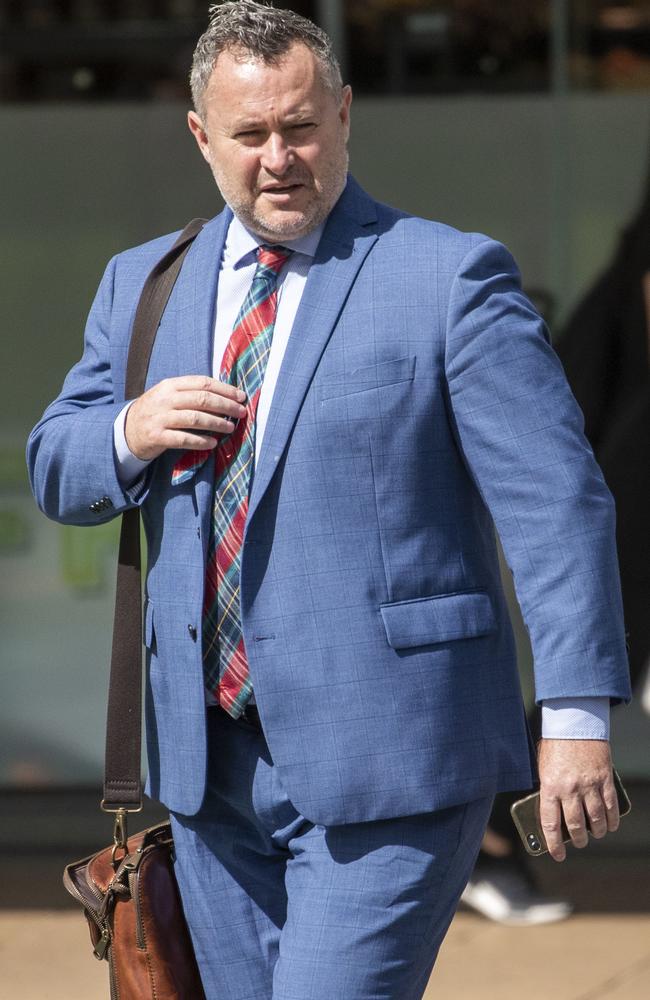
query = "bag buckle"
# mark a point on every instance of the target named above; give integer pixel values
(120, 830)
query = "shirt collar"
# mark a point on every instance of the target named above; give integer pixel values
(241, 244)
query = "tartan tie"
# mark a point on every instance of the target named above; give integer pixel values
(244, 364)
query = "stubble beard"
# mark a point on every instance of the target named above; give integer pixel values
(333, 182)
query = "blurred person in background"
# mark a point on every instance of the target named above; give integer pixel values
(332, 690)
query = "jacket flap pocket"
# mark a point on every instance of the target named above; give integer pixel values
(367, 377)
(442, 618)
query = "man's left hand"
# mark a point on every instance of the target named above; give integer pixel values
(576, 780)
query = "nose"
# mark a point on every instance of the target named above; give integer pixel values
(277, 155)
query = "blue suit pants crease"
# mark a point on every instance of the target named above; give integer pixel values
(280, 908)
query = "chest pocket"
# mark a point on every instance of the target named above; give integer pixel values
(366, 378)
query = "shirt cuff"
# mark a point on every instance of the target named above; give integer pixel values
(127, 466)
(575, 718)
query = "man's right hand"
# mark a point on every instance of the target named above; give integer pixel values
(183, 412)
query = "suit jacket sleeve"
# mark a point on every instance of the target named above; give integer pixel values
(521, 433)
(70, 452)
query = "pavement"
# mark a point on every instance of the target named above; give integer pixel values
(46, 955)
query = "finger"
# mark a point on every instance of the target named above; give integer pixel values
(197, 422)
(575, 820)
(594, 807)
(209, 402)
(610, 800)
(203, 383)
(188, 441)
(550, 815)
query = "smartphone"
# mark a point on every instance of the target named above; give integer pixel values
(525, 815)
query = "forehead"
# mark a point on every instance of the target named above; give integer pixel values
(242, 84)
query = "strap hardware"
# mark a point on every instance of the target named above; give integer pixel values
(120, 830)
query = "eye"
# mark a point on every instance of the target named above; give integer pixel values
(249, 136)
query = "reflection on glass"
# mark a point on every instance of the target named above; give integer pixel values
(457, 45)
(141, 49)
(610, 45)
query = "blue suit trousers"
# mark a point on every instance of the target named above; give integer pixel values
(280, 908)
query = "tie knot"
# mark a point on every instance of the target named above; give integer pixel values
(272, 257)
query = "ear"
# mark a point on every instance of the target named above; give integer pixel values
(196, 128)
(344, 110)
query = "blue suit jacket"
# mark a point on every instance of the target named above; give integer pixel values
(419, 400)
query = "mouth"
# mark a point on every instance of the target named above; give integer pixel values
(281, 192)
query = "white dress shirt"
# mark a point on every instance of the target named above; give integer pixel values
(562, 718)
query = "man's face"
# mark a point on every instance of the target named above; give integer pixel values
(276, 139)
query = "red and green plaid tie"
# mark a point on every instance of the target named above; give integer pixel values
(244, 364)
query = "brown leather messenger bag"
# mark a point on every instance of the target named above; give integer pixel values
(128, 890)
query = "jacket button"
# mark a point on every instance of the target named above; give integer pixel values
(94, 508)
(107, 502)
(192, 630)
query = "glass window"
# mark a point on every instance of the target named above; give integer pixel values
(101, 49)
(411, 47)
(141, 49)
(609, 44)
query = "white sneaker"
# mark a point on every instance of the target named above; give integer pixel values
(507, 897)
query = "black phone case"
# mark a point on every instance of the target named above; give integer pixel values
(525, 816)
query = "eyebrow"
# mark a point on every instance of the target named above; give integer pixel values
(248, 124)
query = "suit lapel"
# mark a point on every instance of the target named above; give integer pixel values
(345, 243)
(197, 295)
(194, 330)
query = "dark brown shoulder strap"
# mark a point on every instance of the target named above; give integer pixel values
(122, 766)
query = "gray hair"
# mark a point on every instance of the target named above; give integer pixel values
(262, 31)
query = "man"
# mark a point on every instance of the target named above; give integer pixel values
(339, 611)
